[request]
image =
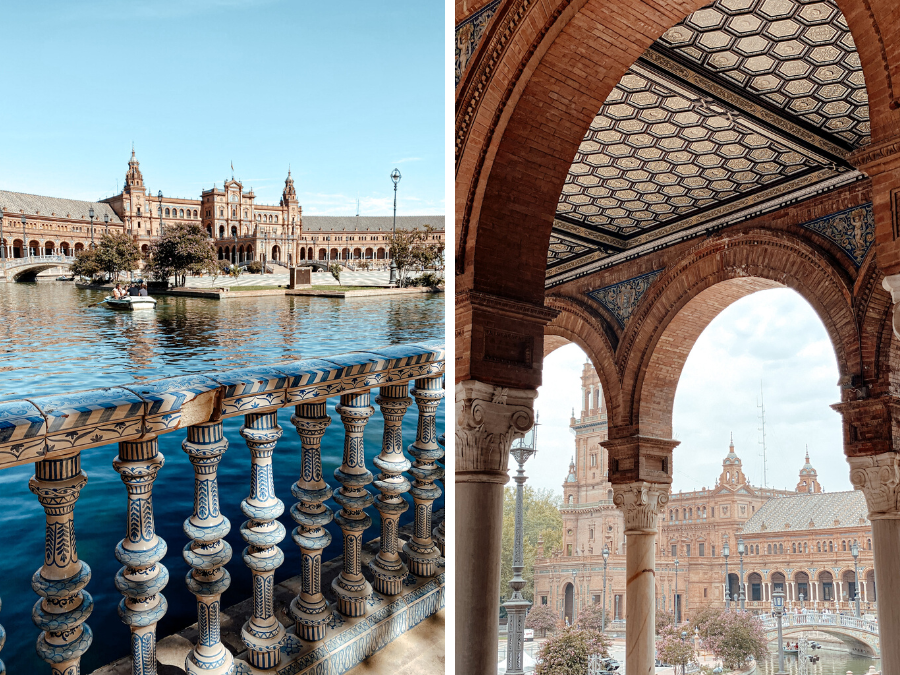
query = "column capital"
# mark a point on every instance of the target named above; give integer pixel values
(488, 419)
(640, 503)
(878, 478)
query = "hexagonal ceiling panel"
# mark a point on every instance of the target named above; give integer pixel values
(744, 105)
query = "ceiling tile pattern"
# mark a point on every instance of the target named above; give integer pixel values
(560, 248)
(797, 56)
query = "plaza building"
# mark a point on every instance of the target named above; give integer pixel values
(625, 171)
(242, 228)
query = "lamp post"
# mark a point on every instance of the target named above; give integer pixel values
(265, 247)
(159, 200)
(2, 241)
(517, 606)
(854, 549)
(741, 585)
(802, 598)
(725, 553)
(675, 606)
(91, 216)
(603, 613)
(684, 660)
(24, 237)
(395, 177)
(234, 249)
(778, 609)
(106, 221)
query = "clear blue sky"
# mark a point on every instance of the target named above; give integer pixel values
(343, 92)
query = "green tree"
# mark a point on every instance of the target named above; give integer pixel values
(185, 247)
(541, 520)
(416, 249)
(542, 618)
(335, 270)
(117, 252)
(567, 652)
(85, 264)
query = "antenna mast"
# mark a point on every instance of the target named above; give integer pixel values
(762, 428)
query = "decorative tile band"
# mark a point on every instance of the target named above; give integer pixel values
(468, 35)
(621, 298)
(853, 230)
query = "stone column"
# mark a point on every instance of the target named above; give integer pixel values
(878, 477)
(350, 587)
(208, 552)
(60, 582)
(640, 503)
(388, 570)
(488, 419)
(263, 633)
(420, 549)
(143, 575)
(310, 611)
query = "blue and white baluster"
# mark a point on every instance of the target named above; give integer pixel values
(388, 569)
(420, 551)
(438, 532)
(60, 582)
(143, 576)
(350, 587)
(2, 642)
(263, 633)
(207, 552)
(310, 610)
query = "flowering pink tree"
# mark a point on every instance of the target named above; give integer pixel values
(735, 637)
(671, 649)
(542, 618)
(567, 652)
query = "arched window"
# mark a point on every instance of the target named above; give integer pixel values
(780, 549)
(233, 231)
(806, 547)
(690, 514)
(794, 548)
(195, 213)
(831, 547)
(869, 544)
(167, 212)
(571, 499)
(276, 219)
(770, 549)
(181, 213)
(843, 545)
(221, 211)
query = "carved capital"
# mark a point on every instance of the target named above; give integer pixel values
(878, 477)
(640, 504)
(488, 420)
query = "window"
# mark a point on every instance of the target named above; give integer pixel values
(139, 210)
(780, 549)
(843, 545)
(181, 213)
(593, 460)
(712, 511)
(221, 211)
(713, 551)
(543, 599)
(569, 550)
(700, 550)
(591, 533)
(793, 548)
(687, 550)
(770, 549)
(674, 550)
(818, 547)
(167, 212)
(704, 590)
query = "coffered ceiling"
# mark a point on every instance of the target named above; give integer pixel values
(740, 108)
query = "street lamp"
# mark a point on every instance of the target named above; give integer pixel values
(106, 221)
(741, 585)
(675, 606)
(24, 236)
(91, 215)
(159, 200)
(725, 553)
(802, 598)
(574, 590)
(854, 549)
(684, 660)
(603, 613)
(778, 609)
(395, 176)
(517, 606)
(2, 242)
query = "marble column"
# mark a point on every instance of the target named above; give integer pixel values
(263, 633)
(65, 605)
(208, 552)
(388, 570)
(878, 477)
(310, 611)
(640, 503)
(420, 550)
(488, 420)
(143, 575)
(350, 586)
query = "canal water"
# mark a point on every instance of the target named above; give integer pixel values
(53, 341)
(830, 663)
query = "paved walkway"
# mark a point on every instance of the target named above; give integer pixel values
(281, 279)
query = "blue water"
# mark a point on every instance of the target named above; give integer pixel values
(52, 342)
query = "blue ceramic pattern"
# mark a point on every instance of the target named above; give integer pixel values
(468, 35)
(621, 298)
(853, 230)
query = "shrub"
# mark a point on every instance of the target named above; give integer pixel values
(592, 617)
(542, 618)
(335, 270)
(664, 619)
(254, 267)
(428, 279)
(567, 653)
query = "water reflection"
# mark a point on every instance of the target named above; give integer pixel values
(830, 663)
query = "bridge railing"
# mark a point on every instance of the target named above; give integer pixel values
(53, 431)
(821, 619)
(36, 259)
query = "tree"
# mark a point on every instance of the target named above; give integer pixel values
(85, 264)
(335, 270)
(185, 247)
(541, 519)
(542, 618)
(735, 637)
(672, 649)
(567, 653)
(664, 619)
(592, 617)
(707, 620)
(416, 249)
(117, 252)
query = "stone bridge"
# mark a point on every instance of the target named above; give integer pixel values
(861, 635)
(26, 269)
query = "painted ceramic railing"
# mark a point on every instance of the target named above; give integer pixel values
(52, 431)
(33, 259)
(821, 619)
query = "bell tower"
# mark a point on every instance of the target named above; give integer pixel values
(291, 206)
(134, 181)
(809, 480)
(732, 471)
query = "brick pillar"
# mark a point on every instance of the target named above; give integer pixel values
(488, 419)
(881, 162)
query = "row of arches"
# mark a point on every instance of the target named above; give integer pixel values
(814, 586)
(345, 254)
(15, 249)
(177, 213)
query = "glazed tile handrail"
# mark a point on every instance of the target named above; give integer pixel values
(52, 431)
(33, 259)
(822, 619)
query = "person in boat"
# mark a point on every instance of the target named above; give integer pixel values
(118, 292)
(134, 291)
(143, 291)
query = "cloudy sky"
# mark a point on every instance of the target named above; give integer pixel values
(773, 337)
(340, 92)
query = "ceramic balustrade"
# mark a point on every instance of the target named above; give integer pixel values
(52, 432)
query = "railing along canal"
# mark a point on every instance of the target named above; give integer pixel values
(53, 431)
(822, 619)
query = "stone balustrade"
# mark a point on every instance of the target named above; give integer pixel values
(53, 431)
